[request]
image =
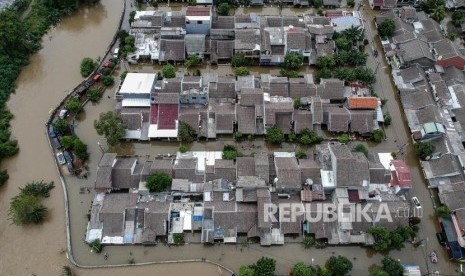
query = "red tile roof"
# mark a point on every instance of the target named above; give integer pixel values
(167, 116)
(363, 103)
(154, 114)
(401, 175)
(198, 11)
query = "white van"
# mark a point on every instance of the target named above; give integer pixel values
(115, 53)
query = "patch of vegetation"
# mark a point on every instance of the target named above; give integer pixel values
(223, 9)
(275, 135)
(386, 28)
(308, 242)
(424, 149)
(94, 95)
(293, 61)
(387, 119)
(301, 153)
(186, 133)
(192, 61)
(338, 265)
(182, 149)
(74, 105)
(238, 136)
(61, 127)
(158, 182)
(361, 148)
(239, 61)
(96, 246)
(378, 135)
(385, 240)
(309, 137)
(292, 74)
(27, 207)
(442, 210)
(230, 152)
(178, 238)
(108, 80)
(88, 65)
(168, 71)
(241, 71)
(111, 126)
(343, 138)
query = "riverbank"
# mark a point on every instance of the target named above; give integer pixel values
(45, 81)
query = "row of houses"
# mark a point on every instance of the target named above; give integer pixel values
(153, 108)
(226, 199)
(172, 37)
(428, 74)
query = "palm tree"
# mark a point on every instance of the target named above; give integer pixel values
(438, 13)
(353, 33)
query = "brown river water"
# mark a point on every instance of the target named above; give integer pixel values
(41, 250)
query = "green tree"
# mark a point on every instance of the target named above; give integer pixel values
(178, 238)
(338, 266)
(378, 135)
(442, 210)
(317, 4)
(386, 28)
(67, 271)
(94, 95)
(323, 73)
(297, 103)
(397, 241)
(379, 272)
(424, 149)
(246, 270)
(361, 148)
(193, 60)
(301, 153)
(238, 136)
(301, 269)
(325, 62)
(88, 66)
(223, 9)
(123, 75)
(168, 71)
(74, 105)
(293, 61)
(265, 267)
(438, 13)
(241, 71)
(229, 152)
(343, 138)
(350, 3)
(96, 246)
(342, 43)
(158, 182)
(61, 126)
(365, 75)
(308, 242)
(182, 149)
(387, 119)
(3, 177)
(38, 189)
(275, 135)
(353, 33)
(382, 238)
(25, 209)
(80, 150)
(186, 133)
(292, 74)
(458, 17)
(132, 14)
(68, 142)
(309, 137)
(239, 61)
(392, 267)
(111, 126)
(108, 80)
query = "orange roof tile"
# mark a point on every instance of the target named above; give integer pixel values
(363, 103)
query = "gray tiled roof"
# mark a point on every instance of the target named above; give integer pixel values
(104, 170)
(414, 49)
(132, 121)
(162, 165)
(446, 49)
(245, 117)
(362, 121)
(247, 39)
(331, 89)
(167, 98)
(172, 49)
(223, 22)
(303, 119)
(296, 39)
(299, 87)
(225, 87)
(338, 118)
(122, 175)
(309, 169)
(251, 97)
(414, 99)
(245, 166)
(195, 44)
(288, 173)
(351, 168)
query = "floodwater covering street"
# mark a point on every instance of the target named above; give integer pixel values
(41, 250)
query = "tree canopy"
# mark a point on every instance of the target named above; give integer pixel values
(275, 135)
(339, 265)
(424, 149)
(246, 270)
(223, 9)
(186, 133)
(88, 65)
(458, 17)
(74, 105)
(386, 28)
(241, 71)
(168, 71)
(111, 126)
(239, 61)
(61, 126)
(265, 267)
(309, 137)
(293, 61)
(192, 60)
(301, 269)
(158, 182)
(392, 267)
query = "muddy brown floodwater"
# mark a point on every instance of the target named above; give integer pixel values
(54, 70)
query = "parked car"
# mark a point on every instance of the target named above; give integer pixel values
(416, 202)
(61, 158)
(70, 167)
(433, 257)
(106, 64)
(116, 52)
(51, 132)
(96, 77)
(441, 239)
(63, 113)
(57, 143)
(68, 157)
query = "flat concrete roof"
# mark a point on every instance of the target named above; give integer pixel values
(138, 83)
